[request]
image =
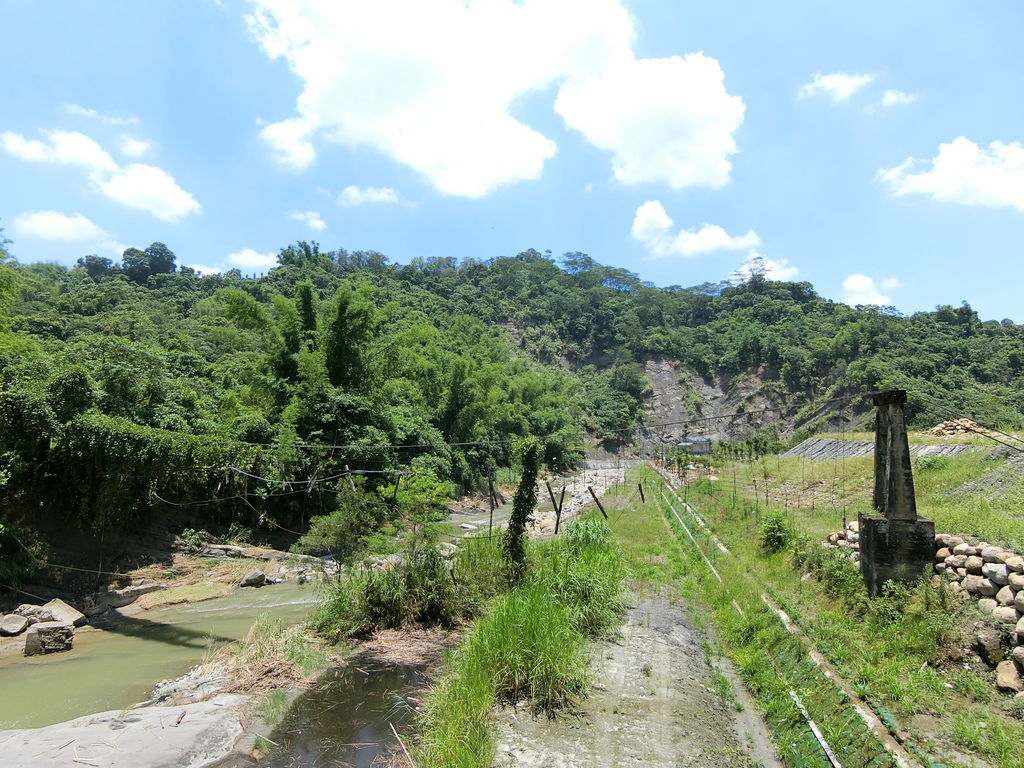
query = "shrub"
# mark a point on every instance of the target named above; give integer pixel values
(418, 591)
(774, 532)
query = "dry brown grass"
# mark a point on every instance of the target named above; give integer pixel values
(410, 646)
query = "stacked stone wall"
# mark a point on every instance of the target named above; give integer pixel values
(974, 570)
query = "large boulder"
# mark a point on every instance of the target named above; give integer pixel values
(64, 613)
(254, 579)
(1015, 563)
(13, 624)
(1008, 678)
(1006, 614)
(1005, 596)
(996, 573)
(49, 637)
(1018, 601)
(1017, 580)
(1018, 656)
(978, 585)
(991, 554)
(974, 564)
(118, 598)
(34, 613)
(987, 644)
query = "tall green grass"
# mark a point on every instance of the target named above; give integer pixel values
(531, 643)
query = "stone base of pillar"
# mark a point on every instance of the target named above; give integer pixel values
(898, 550)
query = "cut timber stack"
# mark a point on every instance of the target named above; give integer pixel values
(974, 570)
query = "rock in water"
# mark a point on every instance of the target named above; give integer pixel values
(254, 579)
(13, 624)
(64, 613)
(49, 637)
(1007, 677)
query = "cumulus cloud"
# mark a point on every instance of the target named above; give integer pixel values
(757, 264)
(145, 187)
(894, 98)
(653, 227)
(80, 111)
(962, 172)
(204, 269)
(54, 225)
(60, 148)
(437, 91)
(150, 189)
(861, 289)
(838, 86)
(352, 195)
(247, 258)
(135, 148)
(669, 120)
(311, 219)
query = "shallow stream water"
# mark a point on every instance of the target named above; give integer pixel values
(344, 720)
(117, 664)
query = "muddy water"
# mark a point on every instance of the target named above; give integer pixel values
(118, 663)
(344, 720)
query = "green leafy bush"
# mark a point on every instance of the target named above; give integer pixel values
(774, 532)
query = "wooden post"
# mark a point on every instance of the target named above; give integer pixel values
(351, 484)
(561, 505)
(554, 503)
(640, 486)
(490, 498)
(598, 501)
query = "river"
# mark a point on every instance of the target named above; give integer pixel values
(117, 663)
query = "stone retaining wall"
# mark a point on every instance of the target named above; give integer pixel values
(975, 570)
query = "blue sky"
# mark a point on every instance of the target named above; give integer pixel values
(872, 149)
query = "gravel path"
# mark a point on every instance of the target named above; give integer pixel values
(653, 704)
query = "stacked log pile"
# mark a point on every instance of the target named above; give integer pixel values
(990, 575)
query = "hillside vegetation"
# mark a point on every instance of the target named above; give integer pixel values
(127, 385)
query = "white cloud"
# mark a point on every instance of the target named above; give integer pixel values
(664, 120)
(352, 195)
(150, 189)
(894, 98)
(311, 219)
(838, 86)
(436, 92)
(54, 225)
(861, 289)
(203, 269)
(247, 258)
(965, 173)
(653, 227)
(135, 148)
(145, 187)
(757, 264)
(61, 148)
(76, 109)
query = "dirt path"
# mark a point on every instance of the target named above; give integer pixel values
(653, 704)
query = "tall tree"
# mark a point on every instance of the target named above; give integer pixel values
(528, 453)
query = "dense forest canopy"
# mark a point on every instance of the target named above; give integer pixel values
(124, 384)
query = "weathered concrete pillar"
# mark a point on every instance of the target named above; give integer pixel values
(899, 546)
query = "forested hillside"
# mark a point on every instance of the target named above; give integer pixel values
(126, 385)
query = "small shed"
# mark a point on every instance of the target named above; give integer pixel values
(697, 445)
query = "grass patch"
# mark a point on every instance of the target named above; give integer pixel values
(274, 705)
(531, 643)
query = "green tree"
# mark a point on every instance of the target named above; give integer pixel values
(528, 453)
(155, 260)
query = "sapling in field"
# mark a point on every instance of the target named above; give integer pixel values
(528, 453)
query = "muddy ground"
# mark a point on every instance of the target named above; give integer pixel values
(653, 703)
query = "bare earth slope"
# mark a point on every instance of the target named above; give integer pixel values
(653, 704)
